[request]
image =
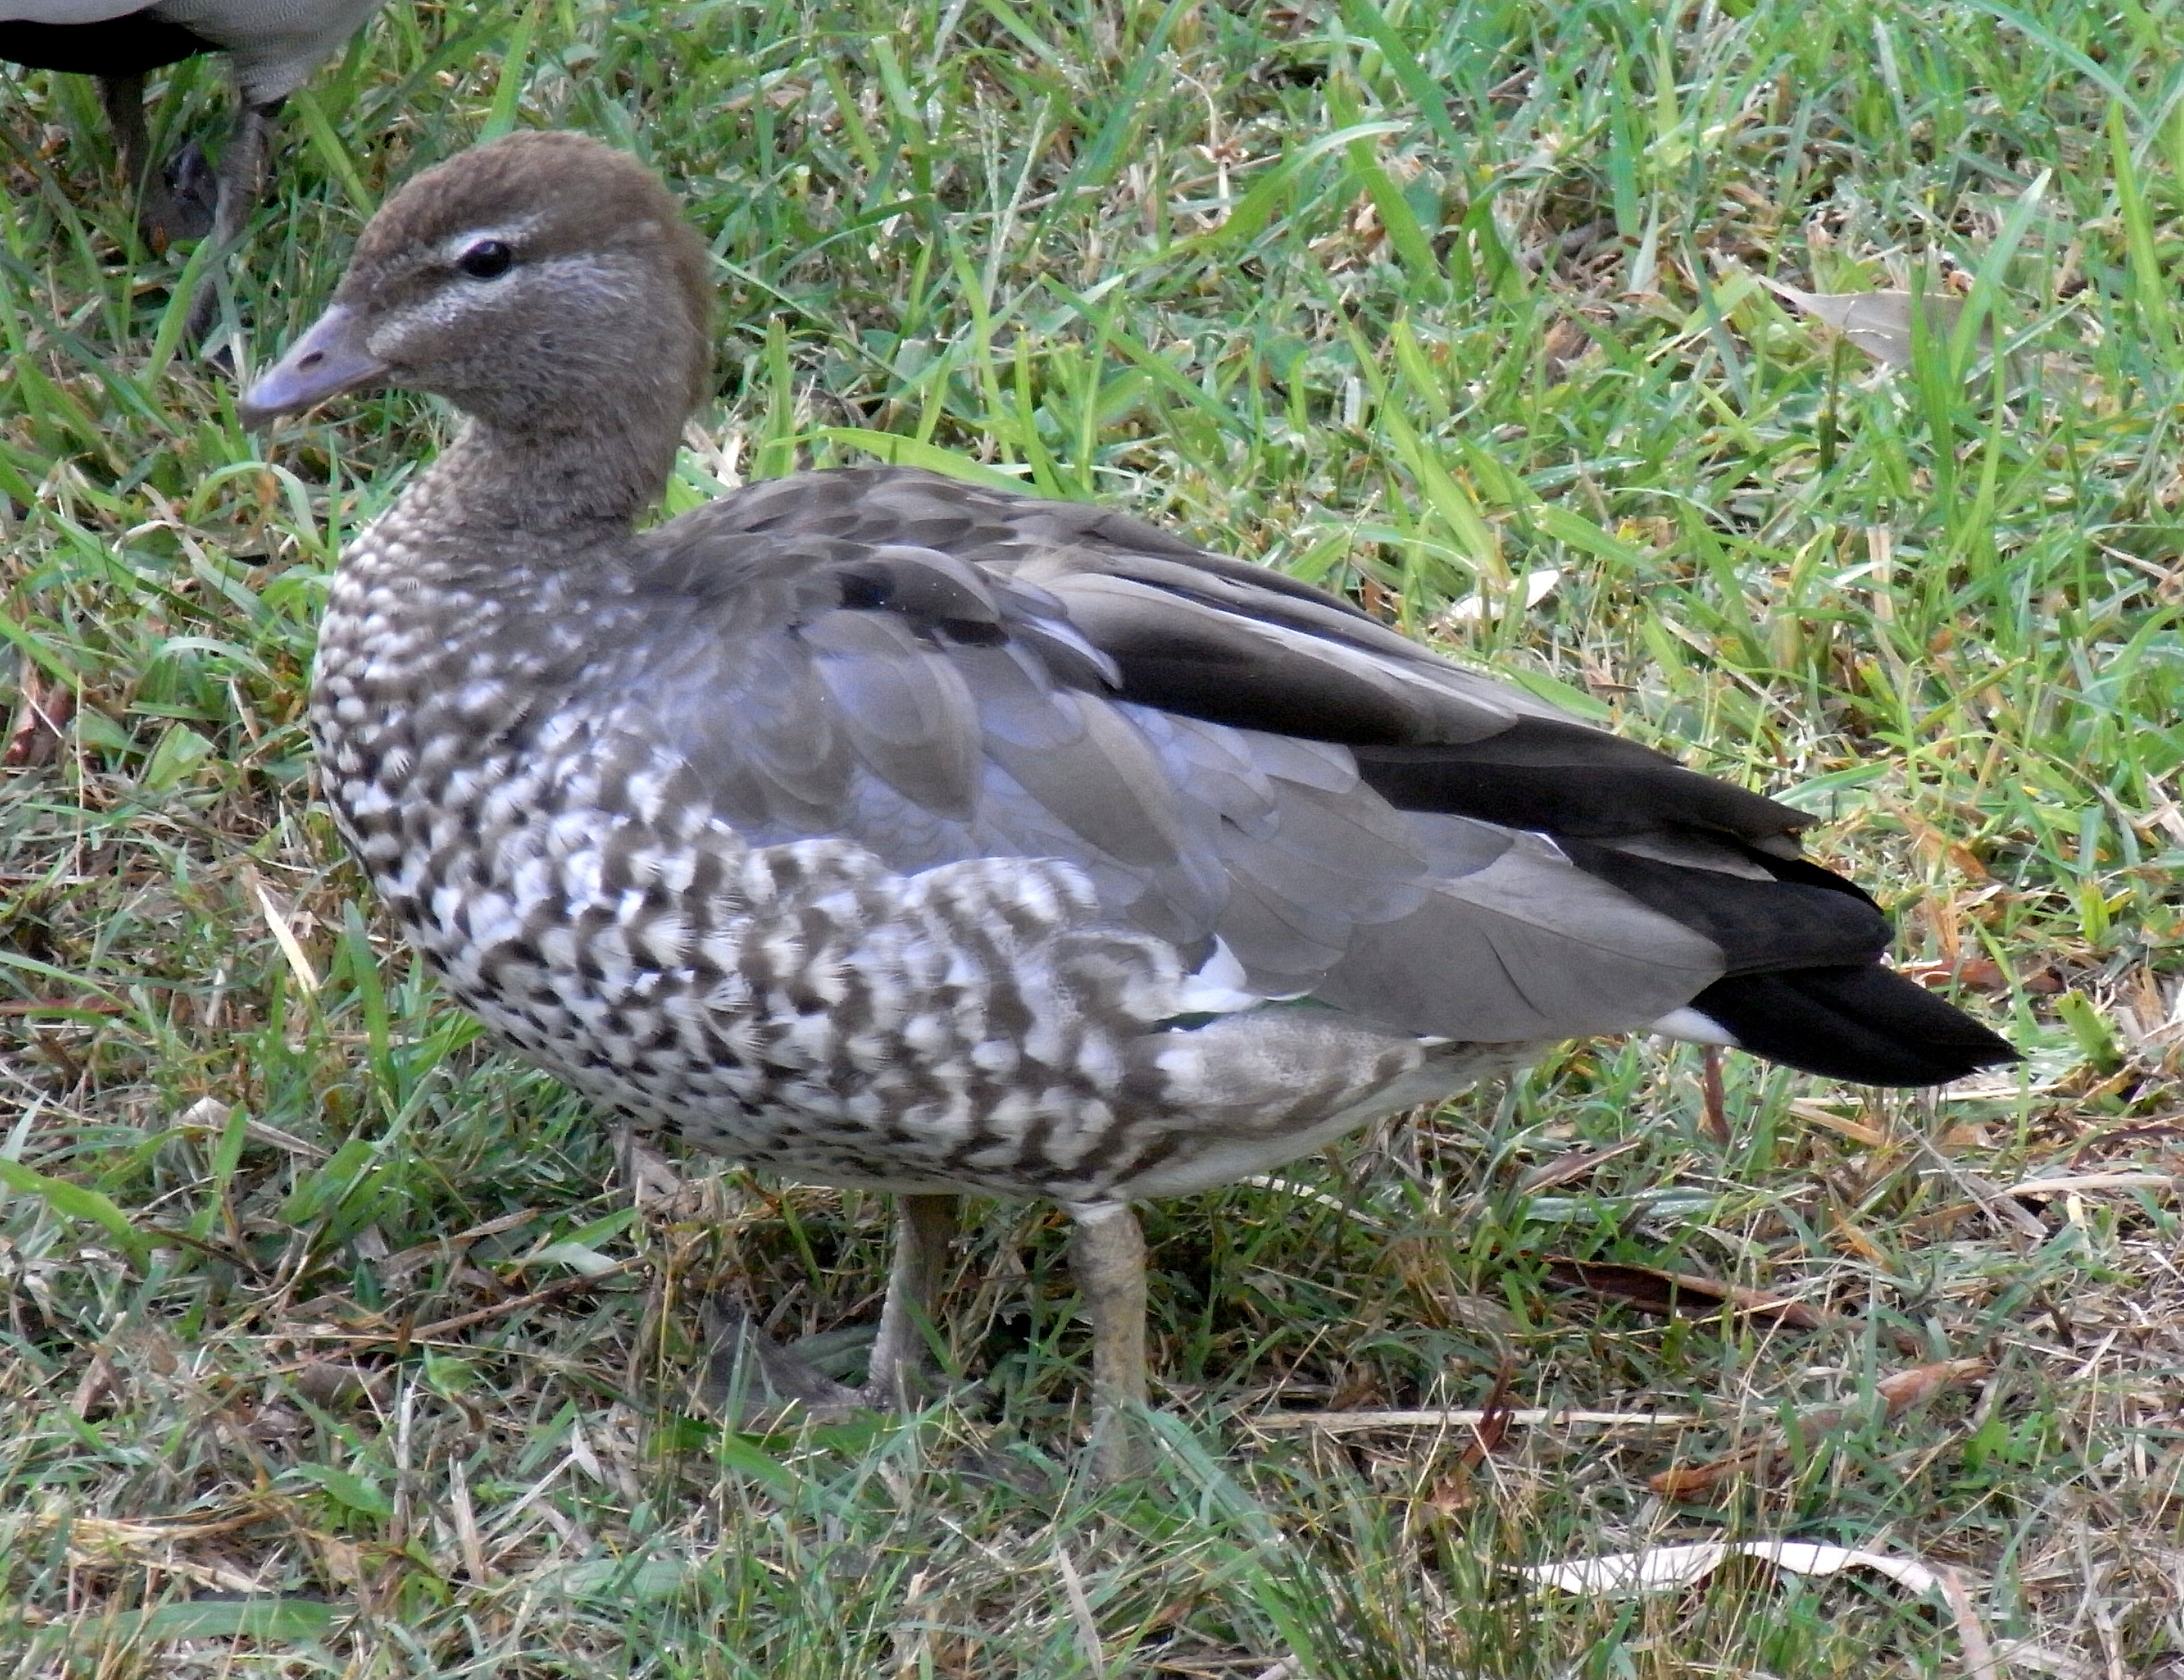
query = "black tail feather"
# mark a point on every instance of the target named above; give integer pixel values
(1864, 1024)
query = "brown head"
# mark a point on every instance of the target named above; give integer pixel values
(546, 284)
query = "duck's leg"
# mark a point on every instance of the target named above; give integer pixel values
(170, 205)
(123, 97)
(924, 1227)
(1107, 1253)
(241, 180)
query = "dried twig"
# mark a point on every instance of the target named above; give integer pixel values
(445, 1327)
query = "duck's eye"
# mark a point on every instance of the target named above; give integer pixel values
(488, 259)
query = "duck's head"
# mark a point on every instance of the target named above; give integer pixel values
(545, 284)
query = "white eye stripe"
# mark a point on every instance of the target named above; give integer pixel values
(510, 234)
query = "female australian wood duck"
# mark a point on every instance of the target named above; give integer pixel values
(272, 45)
(875, 829)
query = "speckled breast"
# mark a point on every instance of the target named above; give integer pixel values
(796, 1006)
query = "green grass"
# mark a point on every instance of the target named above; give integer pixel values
(1413, 300)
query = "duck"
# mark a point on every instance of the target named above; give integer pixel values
(272, 47)
(876, 828)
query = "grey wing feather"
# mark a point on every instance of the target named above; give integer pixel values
(938, 672)
(906, 710)
(1106, 783)
(1526, 948)
(766, 746)
(1274, 674)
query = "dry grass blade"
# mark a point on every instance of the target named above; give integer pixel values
(1574, 1167)
(441, 1329)
(1979, 1654)
(1661, 1569)
(159, 1545)
(1080, 1610)
(209, 1116)
(2069, 1182)
(2038, 1659)
(398, 1266)
(1455, 1418)
(1674, 1568)
(279, 924)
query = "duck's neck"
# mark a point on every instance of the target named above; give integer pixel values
(567, 475)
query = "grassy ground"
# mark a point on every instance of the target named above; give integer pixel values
(334, 1345)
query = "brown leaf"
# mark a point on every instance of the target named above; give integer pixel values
(1897, 1394)
(343, 1561)
(59, 1006)
(42, 710)
(97, 1383)
(1453, 1492)
(1565, 343)
(1978, 1652)
(1488, 1432)
(1856, 1240)
(1921, 1383)
(1879, 323)
(1859, 1132)
(1984, 974)
(1667, 1293)
(332, 1384)
(1710, 1093)
(1935, 844)
(1696, 1481)
(274, 1425)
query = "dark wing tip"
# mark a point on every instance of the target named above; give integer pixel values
(1862, 1023)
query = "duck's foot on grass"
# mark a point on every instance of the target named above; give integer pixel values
(747, 1371)
(743, 1363)
(749, 1381)
(191, 201)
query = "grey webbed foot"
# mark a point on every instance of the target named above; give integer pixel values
(744, 1364)
(746, 1372)
(192, 198)
(178, 201)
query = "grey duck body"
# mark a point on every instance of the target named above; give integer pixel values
(621, 802)
(875, 828)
